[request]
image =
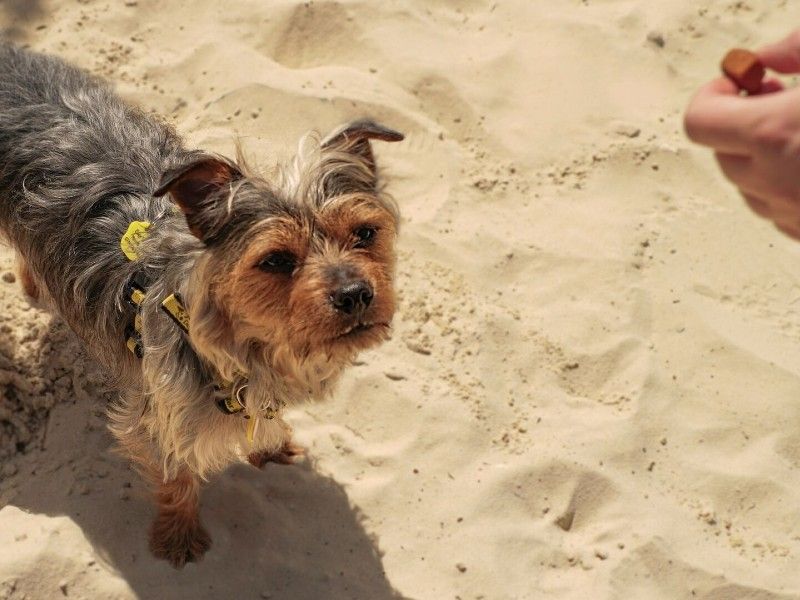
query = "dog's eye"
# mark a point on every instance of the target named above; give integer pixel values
(278, 262)
(365, 236)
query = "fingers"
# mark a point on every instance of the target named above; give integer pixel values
(770, 86)
(779, 212)
(745, 174)
(783, 56)
(782, 213)
(717, 117)
(757, 205)
(755, 137)
(753, 179)
(790, 229)
(738, 169)
(786, 223)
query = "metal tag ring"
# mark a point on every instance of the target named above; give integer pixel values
(238, 394)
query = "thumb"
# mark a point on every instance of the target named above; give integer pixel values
(783, 56)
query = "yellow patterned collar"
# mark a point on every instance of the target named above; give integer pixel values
(229, 396)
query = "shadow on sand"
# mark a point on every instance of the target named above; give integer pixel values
(285, 532)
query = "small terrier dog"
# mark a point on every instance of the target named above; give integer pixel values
(214, 296)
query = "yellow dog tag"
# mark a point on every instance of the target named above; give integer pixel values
(135, 235)
(252, 424)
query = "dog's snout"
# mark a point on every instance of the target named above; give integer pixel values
(352, 297)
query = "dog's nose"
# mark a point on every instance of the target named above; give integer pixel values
(352, 297)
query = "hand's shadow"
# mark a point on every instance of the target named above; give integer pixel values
(284, 532)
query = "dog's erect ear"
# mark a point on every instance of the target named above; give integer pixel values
(354, 139)
(195, 188)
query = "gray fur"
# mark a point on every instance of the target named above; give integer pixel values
(77, 166)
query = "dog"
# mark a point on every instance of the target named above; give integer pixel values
(215, 297)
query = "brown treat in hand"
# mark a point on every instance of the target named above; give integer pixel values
(744, 69)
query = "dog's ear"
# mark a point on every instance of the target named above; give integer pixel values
(354, 138)
(195, 187)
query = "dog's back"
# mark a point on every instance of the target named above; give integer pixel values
(76, 166)
(29, 80)
(56, 119)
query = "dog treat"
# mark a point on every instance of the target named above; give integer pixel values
(744, 69)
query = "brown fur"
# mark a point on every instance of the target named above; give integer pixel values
(176, 534)
(26, 280)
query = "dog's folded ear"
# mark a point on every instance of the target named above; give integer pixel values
(354, 138)
(196, 187)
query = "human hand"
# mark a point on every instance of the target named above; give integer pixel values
(756, 139)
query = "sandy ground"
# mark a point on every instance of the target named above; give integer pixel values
(592, 389)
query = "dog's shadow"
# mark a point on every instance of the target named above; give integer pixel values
(284, 532)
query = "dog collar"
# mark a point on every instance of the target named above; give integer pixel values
(229, 396)
(136, 233)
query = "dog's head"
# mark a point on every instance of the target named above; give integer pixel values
(303, 261)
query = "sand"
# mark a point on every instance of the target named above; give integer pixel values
(593, 386)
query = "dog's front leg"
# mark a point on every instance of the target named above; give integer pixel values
(285, 453)
(177, 535)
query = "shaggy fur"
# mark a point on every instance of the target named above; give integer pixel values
(285, 277)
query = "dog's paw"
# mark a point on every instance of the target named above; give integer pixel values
(288, 454)
(178, 542)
